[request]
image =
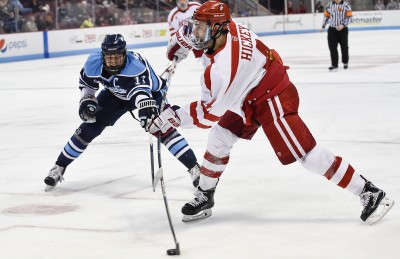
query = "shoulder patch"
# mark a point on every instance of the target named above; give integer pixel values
(94, 65)
(134, 65)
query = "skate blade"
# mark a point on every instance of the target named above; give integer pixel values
(383, 208)
(202, 215)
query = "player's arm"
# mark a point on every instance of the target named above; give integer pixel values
(348, 15)
(327, 16)
(88, 104)
(141, 94)
(204, 113)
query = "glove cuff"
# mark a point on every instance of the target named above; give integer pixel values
(147, 103)
(88, 97)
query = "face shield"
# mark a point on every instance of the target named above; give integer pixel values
(182, 4)
(197, 33)
(114, 62)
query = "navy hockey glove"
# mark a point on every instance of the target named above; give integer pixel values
(147, 110)
(88, 106)
(166, 120)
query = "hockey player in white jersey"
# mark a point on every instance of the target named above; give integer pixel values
(129, 83)
(245, 86)
(178, 16)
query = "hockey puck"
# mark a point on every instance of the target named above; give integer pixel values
(172, 252)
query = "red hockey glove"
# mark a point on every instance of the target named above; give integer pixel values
(178, 47)
(165, 121)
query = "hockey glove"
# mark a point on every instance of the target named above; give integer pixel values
(147, 110)
(166, 120)
(178, 47)
(88, 106)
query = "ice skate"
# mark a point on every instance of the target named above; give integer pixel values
(195, 175)
(55, 175)
(375, 203)
(200, 206)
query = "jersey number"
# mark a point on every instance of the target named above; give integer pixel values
(140, 80)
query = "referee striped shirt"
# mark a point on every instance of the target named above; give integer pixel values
(337, 14)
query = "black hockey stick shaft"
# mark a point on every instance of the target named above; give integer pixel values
(151, 152)
(170, 70)
(164, 193)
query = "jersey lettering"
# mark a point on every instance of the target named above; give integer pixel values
(247, 44)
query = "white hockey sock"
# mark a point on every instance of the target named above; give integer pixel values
(207, 182)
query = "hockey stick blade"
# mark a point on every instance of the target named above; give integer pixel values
(157, 178)
(204, 214)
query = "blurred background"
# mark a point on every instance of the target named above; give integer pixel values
(44, 15)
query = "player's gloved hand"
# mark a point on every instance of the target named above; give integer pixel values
(166, 120)
(88, 106)
(147, 110)
(178, 47)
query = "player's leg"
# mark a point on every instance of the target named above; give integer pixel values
(180, 149)
(220, 142)
(178, 146)
(333, 45)
(109, 112)
(292, 141)
(344, 46)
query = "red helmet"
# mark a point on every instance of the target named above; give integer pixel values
(199, 30)
(213, 12)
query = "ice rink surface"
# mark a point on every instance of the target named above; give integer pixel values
(106, 208)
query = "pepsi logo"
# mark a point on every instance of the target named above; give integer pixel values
(3, 45)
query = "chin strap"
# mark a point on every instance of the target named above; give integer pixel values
(215, 37)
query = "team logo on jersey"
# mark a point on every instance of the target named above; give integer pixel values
(3, 45)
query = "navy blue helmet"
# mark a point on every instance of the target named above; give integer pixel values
(113, 44)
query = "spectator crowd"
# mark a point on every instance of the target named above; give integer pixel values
(43, 15)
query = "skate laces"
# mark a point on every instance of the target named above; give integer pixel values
(56, 173)
(365, 198)
(198, 199)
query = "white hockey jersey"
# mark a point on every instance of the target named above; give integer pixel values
(230, 74)
(176, 17)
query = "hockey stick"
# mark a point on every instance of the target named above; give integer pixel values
(167, 75)
(159, 176)
(155, 178)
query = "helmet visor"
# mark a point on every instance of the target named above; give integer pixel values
(182, 4)
(197, 33)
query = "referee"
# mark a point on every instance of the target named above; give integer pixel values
(338, 14)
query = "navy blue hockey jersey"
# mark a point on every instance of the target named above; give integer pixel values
(137, 77)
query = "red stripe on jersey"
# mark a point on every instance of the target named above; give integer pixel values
(207, 115)
(216, 160)
(193, 114)
(210, 173)
(235, 52)
(347, 177)
(334, 167)
(207, 78)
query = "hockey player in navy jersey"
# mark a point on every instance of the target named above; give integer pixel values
(129, 83)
